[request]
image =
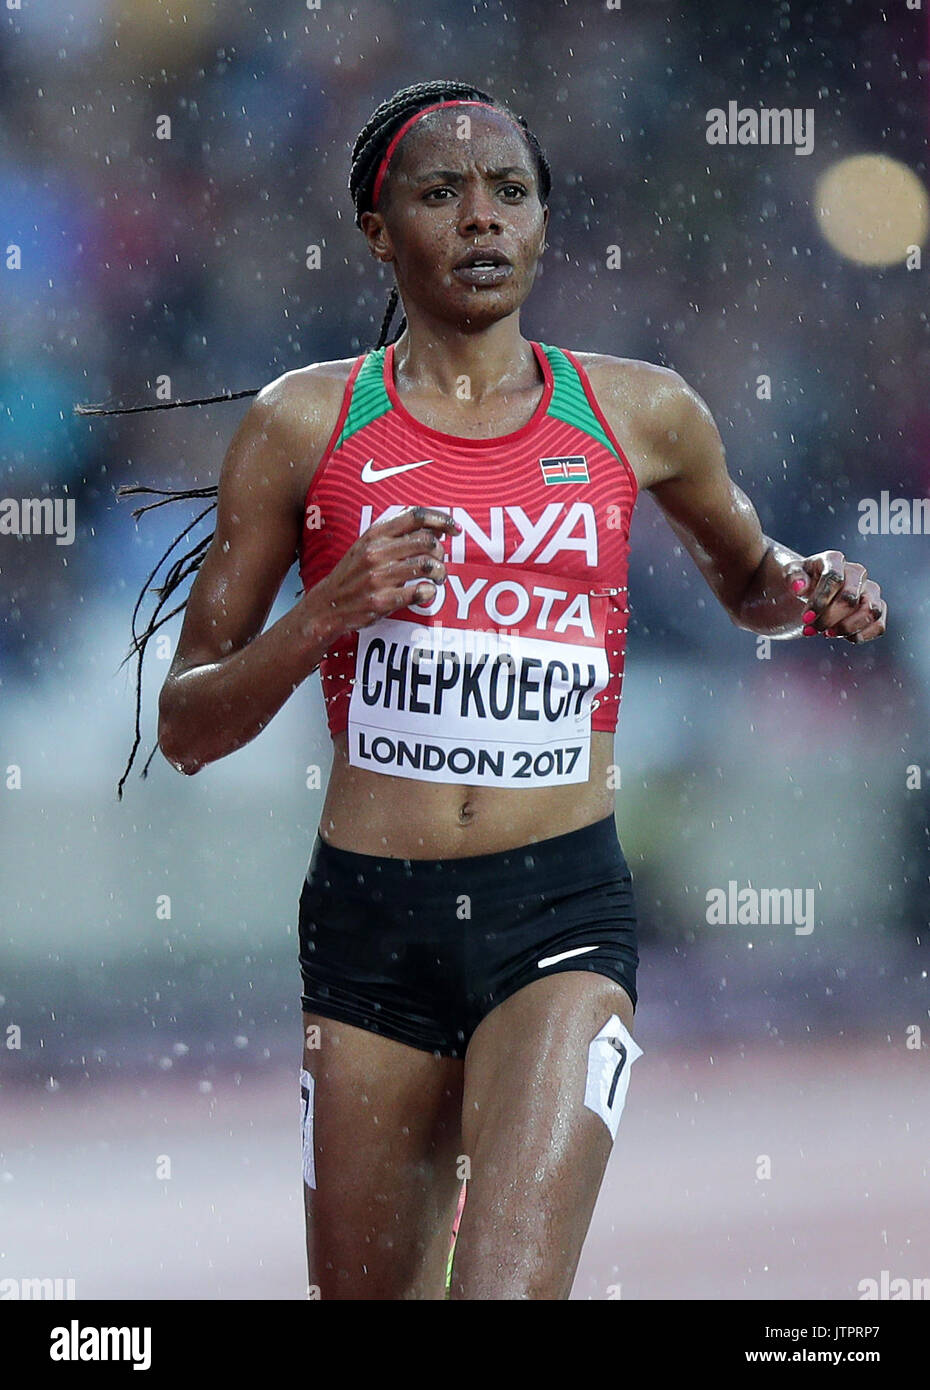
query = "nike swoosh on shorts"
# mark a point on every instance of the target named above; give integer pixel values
(371, 475)
(551, 960)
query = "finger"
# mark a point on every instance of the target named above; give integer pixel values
(392, 599)
(875, 628)
(801, 576)
(872, 629)
(420, 542)
(846, 602)
(867, 611)
(426, 573)
(833, 567)
(421, 591)
(861, 617)
(415, 517)
(421, 554)
(427, 567)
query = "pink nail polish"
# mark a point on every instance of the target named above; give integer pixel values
(831, 631)
(809, 616)
(809, 631)
(798, 584)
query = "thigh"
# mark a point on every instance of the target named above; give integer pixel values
(386, 1141)
(537, 1154)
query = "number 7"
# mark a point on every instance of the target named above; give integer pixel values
(616, 1043)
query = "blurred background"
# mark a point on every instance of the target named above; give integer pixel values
(775, 1139)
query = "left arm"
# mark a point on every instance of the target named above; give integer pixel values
(764, 586)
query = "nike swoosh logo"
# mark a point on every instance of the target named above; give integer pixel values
(370, 474)
(551, 960)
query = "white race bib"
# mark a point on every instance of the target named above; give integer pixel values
(491, 684)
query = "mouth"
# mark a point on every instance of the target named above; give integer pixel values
(483, 268)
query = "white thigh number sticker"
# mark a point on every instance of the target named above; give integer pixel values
(610, 1056)
(306, 1127)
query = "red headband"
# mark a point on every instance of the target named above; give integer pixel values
(399, 134)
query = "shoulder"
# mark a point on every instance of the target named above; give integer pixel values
(648, 407)
(649, 388)
(293, 418)
(304, 399)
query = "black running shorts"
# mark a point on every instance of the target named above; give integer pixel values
(421, 950)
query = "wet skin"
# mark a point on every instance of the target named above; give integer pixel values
(393, 1123)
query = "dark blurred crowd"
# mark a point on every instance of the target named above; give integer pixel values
(145, 258)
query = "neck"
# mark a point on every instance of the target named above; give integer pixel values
(434, 356)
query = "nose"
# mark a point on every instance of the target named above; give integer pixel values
(479, 213)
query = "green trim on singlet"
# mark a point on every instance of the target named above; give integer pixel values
(370, 399)
(568, 403)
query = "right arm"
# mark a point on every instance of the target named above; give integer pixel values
(228, 679)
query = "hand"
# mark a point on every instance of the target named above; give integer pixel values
(838, 598)
(391, 565)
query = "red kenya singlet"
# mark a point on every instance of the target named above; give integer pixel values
(501, 678)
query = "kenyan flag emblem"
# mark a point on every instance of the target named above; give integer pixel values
(573, 468)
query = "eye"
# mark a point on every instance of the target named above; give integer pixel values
(510, 188)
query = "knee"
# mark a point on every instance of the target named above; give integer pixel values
(532, 1264)
(510, 1285)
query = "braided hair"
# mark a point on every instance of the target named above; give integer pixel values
(367, 153)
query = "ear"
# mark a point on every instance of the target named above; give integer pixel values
(378, 236)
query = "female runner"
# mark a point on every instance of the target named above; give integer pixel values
(459, 501)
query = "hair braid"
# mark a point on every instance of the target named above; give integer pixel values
(367, 152)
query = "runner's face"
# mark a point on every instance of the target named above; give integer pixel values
(443, 196)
